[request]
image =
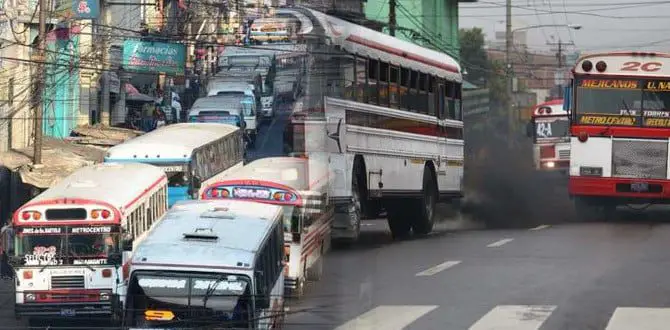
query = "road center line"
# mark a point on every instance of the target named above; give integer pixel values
(436, 269)
(540, 227)
(500, 242)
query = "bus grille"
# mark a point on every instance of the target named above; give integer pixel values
(564, 154)
(639, 159)
(68, 282)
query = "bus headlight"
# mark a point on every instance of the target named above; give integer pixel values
(30, 297)
(550, 164)
(104, 296)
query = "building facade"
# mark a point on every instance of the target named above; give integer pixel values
(430, 23)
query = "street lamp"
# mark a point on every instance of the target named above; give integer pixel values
(569, 26)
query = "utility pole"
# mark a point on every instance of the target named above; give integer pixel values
(39, 91)
(509, 38)
(105, 116)
(392, 17)
(559, 57)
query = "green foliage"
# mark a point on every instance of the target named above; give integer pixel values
(473, 55)
(497, 84)
(481, 70)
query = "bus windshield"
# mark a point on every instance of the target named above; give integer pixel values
(552, 128)
(193, 299)
(632, 98)
(221, 117)
(73, 245)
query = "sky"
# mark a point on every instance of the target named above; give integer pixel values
(605, 24)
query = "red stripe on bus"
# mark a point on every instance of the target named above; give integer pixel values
(599, 186)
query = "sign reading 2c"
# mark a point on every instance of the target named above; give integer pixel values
(641, 66)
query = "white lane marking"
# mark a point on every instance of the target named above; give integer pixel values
(387, 318)
(438, 268)
(500, 242)
(626, 318)
(540, 227)
(514, 317)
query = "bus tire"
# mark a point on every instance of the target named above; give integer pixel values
(357, 193)
(398, 219)
(424, 217)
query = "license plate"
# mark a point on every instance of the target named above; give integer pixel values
(639, 187)
(67, 312)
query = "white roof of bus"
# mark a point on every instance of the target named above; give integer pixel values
(175, 141)
(241, 230)
(219, 101)
(367, 42)
(556, 107)
(652, 64)
(115, 183)
(288, 171)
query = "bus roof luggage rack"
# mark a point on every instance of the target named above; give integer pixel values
(204, 234)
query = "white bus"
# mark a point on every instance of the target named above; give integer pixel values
(550, 129)
(300, 186)
(209, 264)
(393, 117)
(72, 240)
(192, 154)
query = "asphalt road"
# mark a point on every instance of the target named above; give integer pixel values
(610, 275)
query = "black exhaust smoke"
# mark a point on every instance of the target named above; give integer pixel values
(504, 190)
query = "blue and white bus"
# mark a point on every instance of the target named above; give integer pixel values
(209, 264)
(191, 154)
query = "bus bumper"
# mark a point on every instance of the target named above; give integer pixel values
(629, 191)
(68, 310)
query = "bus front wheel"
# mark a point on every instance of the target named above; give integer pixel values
(398, 219)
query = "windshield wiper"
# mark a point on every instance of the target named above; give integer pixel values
(627, 113)
(625, 105)
(211, 288)
(50, 264)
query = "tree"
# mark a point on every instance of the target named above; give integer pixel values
(473, 56)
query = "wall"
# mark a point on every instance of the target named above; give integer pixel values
(15, 83)
(61, 94)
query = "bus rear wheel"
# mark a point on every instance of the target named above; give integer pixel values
(424, 219)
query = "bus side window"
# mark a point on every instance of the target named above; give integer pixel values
(149, 219)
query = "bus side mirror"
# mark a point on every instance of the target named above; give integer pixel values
(567, 95)
(16, 261)
(115, 259)
(529, 129)
(127, 245)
